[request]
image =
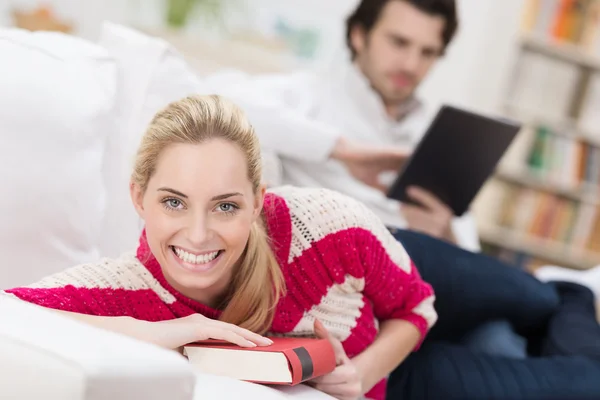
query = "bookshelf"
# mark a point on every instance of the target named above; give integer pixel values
(543, 204)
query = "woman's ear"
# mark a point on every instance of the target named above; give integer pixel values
(137, 198)
(259, 200)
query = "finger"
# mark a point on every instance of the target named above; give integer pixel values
(338, 349)
(390, 154)
(341, 391)
(320, 330)
(245, 333)
(415, 213)
(426, 198)
(227, 335)
(341, 374)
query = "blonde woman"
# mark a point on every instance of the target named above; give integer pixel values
(220, 257)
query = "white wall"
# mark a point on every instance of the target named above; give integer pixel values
(473, 73)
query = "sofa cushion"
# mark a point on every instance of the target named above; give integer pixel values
(70, 360)
(151, 75)
(56, 108)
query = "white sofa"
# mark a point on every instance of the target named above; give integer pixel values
(72, 113)
(45, 355)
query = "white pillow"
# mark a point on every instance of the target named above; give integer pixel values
(56, 100)
(151, 75)
(48, 356)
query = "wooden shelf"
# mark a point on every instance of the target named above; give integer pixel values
(587, 193)
(552, 251)
(562, 51)
(562, 126)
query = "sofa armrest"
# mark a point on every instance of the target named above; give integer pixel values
(46, 355)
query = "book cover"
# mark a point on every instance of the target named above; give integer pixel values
(288, 361)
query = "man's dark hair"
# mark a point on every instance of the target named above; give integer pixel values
(368, 11)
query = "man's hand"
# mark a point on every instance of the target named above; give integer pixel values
(365, 162)
(433, 217)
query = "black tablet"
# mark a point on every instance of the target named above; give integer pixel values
(457, 154)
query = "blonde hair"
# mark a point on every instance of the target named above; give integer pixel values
(195, 120)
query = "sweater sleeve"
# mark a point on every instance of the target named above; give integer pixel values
(391, 281)
(109, 287)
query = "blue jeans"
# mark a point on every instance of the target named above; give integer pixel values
(474, 291)
(497, 338)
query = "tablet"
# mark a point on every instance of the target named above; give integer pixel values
(457, 154)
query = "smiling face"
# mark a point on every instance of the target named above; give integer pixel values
(399, 50)
(198, 208)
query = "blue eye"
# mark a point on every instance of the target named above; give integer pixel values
(172, 204)
(228, 208)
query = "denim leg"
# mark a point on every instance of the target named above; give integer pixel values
(573, 329)
(497, 338)
(473, 288)
(452, 372)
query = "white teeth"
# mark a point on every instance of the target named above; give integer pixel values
(194, 259)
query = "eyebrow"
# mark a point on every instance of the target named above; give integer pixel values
(214, 198)
(226, 196)
(175, 192)
(400, 38)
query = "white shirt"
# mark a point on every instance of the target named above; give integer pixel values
(300, 116)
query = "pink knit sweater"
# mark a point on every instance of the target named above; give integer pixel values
(340, 264)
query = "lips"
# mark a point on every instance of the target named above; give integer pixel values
(401, 80)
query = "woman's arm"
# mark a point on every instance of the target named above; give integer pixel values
(175, 333)
(396, 339)
(127, 326)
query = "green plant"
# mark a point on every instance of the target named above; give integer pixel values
(179, 11)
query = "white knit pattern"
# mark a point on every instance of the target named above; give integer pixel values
(426, 310)
(317, 213)
(338, 310)
(125, 272)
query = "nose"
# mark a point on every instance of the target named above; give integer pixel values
(198, 230)
(412, 61)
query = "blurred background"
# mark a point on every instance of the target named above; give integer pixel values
(534, 60)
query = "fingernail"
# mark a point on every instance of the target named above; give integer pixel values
(266, 341)
(251, 344)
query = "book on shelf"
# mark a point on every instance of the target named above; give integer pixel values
(547, 216)
(544, 86)
(288, 361)
(569, 21)
(563, 159)
(589, 115)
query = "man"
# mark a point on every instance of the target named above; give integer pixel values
(342, 128)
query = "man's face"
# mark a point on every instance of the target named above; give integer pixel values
(399, 51)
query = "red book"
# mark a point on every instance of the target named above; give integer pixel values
(288, 361)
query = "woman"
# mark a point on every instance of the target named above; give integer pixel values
(221, 258)
(205, 267)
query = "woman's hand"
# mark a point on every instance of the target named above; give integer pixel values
(176, 333)
(344, 382)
